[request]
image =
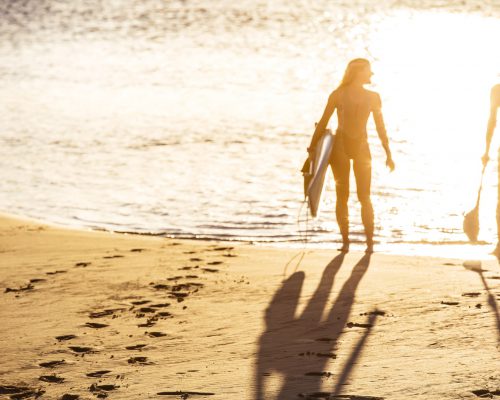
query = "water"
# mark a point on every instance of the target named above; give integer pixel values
(191, 118)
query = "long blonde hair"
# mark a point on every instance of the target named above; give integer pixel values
(353, 69)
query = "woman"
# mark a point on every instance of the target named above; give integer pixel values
(492, 122)
(354, 104)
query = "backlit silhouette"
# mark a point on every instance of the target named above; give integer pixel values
(354, 104)
(492, 121)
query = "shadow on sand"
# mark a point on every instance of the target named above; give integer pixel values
(491, 302)
(300, 348)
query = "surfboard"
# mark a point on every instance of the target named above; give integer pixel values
(318, 168)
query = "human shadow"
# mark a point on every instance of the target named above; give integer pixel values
(491, 302)
(300, 348)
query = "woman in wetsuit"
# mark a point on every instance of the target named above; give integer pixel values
(354, 104)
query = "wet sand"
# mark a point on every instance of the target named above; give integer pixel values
(93, 315)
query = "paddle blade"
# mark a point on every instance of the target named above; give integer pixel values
(471, 224)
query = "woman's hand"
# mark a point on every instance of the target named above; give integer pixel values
(390, 163)
(485, 158)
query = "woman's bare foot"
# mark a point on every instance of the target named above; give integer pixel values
(344, 248)
(496, 252)
(369, 247)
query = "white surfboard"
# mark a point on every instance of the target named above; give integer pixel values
(319, 167)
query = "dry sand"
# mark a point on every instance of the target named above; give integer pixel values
(96, 315)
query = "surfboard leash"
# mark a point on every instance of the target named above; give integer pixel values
(303, 238)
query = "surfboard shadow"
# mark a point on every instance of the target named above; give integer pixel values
(300, 348)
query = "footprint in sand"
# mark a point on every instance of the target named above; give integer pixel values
(100, 314)
(37, 280)
(51, 379)
(223, 249)
(450, 303)
(70, 397)
(326, 396)
(155, 334)
(356, 325)
(210, 270)
(136, 347)
(81, 349)
(175, 278)
(195, 259)
(63, 338)
(29, 286)
(188, 268)
(179, 296)
(147, 310)
(140, 302)
(82, 264)
(160, 305)
(165, 314)
(52, 364)
(114, 256)
(160, 286)
(95, 325)
(95, 388)
(59, 271)
(20, 392)
(215, 262)
(98, 374)
(485, 393)
(148, 324)
(323, 374)
(376, 312)
(137, 250)
(185, 395)
(138, 360)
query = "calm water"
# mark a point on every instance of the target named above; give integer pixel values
(191, 118)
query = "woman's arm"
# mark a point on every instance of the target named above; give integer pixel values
(323, 122)
(492, 120)
(381, 131)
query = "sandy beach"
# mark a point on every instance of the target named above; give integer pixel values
(93, 315)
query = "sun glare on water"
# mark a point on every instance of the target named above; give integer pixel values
(434, 71)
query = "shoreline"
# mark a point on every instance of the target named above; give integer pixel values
(97, 314)
(453, 249)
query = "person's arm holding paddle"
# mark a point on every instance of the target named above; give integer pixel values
(381, 131)
(492, 121)
(323, 122)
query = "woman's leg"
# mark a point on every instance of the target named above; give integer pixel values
(363, 174)
(341, 168)
(496, 252)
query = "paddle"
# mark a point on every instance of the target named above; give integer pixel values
(471, 219)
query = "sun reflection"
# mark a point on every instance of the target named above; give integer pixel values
(435, 76)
